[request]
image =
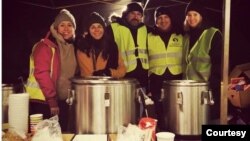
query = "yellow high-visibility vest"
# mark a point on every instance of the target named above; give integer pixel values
(161, 58)
(198, 60)
(32, 86)
(127, 47)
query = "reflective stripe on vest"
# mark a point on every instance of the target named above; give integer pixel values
(32, 86)
(126, 45)
(198, 60)
(161, 58)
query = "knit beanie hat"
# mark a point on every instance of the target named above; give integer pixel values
(196, 5)
(95, 18)
(64, 15)
(162, 11)
(134, 6)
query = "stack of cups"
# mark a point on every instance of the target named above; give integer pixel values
(34, 120)
(165, 136)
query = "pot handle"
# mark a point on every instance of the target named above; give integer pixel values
(141, 95)
(107, 99)
(180, 98)
(71, 97)
(210, 98)
(207, 97)
(162, 95)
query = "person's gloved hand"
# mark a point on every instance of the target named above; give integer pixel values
(104, 72)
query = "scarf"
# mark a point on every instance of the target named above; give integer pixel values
(68, 64)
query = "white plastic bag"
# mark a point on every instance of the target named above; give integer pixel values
(48, 130)
(131, 133)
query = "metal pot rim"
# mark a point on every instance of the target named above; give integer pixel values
(185, 82)
(102, 80)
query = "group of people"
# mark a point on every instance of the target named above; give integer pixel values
(126, 48)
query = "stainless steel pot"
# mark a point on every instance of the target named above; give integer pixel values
(103, 104)
(7, 89)
(186, 106)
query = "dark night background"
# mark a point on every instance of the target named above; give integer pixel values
(25, 22)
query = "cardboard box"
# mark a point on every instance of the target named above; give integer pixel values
(240, 99)
(243, 69)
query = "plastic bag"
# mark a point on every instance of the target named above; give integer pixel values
(48, 130)
(130, 133)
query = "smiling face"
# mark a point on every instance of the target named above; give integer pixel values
(163, 22)
(96, 30)
(193, 19)
(66, 29)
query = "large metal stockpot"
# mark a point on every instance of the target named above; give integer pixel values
(186, 106)
(7, 89)
(103, 104)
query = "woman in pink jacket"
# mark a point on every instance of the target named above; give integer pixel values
(52, 63)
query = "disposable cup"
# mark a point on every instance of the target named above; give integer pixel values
(36, 116)
(34, 120)
(165, 136)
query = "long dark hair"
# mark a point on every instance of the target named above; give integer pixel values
(105, 45)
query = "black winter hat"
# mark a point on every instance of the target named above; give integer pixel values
(162, 11)
(196, 5)
(95, 18)
(133, 6)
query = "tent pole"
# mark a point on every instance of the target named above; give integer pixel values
(225, 67)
